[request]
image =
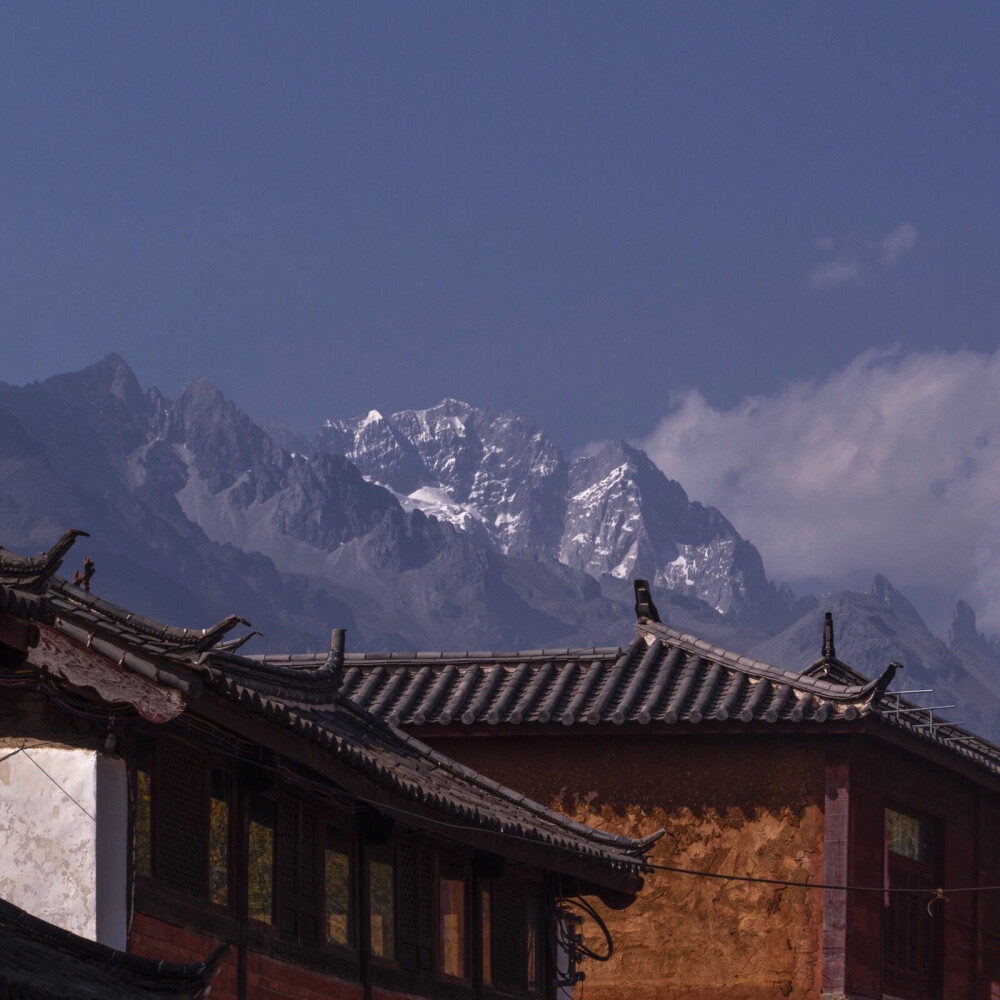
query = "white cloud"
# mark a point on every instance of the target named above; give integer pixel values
(833, 272)
(853, 257)
(891, 464)
(898, 242)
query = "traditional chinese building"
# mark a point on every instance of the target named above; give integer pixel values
(164, 794)
(823, 777)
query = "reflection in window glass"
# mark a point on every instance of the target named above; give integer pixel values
(451, 892)
(337, 884)
(143, 823)
(218, 839)
(533, 927)
(907, 836)
(260, 859)
(381, 901)
(486, 941)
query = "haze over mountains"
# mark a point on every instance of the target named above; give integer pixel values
(446, 528)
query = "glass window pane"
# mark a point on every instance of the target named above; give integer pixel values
(907, 836)
(451, 893)
(382, 901)
(486, 941)
(260, 859)
(337, 877)
(218, 839)
(143, 824)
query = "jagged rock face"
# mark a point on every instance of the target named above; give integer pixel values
(610, 514)
(964, 634)
(88, 420)
(197, 512)
(495, 473)
(881, 626)
(626, 519)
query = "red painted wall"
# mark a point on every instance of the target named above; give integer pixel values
(268, 978)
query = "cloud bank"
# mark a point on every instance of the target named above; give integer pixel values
(852, 257)
(889, 465)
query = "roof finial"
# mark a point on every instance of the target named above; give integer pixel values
(828, 651)
(644, 606)
(335, 661)
(82, 580)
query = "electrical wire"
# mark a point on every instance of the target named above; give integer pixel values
(60, 787)
(7, 756)
(231, 745)
(817, 885)
(586, 951)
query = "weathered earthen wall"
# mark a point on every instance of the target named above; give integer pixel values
(747, 805)
(63, 821)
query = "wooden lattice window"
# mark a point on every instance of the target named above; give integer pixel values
(512, 917)
(182, 824)
(415, 917)
(382, 900)
(181, 827)
(142, 826)
(910, 934)
(452, 922)
(260, 858)
(219, 840)
(298, 857)
(510, 968)
(338, 885)
(486, 931)
(533, 935)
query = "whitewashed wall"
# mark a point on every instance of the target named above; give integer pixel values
(63, 839)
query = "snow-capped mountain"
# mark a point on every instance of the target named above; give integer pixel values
(450, 527)
(612, 514)
(494, 473)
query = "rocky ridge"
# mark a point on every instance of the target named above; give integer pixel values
(450, 527)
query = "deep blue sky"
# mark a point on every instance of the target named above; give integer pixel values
(571, 210)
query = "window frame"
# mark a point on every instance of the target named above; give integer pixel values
(342, 823)
(152, 750)
(322, 817)
(520, 877)
(463, 862)
(391, 849)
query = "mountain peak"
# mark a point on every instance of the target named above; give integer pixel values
(885, 593)
(964, 633)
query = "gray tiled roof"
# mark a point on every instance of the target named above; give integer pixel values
(663, 677)
(304, 695)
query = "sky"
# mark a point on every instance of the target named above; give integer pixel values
(614, 218)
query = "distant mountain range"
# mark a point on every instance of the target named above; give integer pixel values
(452, 527)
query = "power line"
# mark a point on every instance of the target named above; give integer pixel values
(60, 787)
(818, 885)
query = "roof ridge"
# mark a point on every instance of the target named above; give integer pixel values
(493, 655)
(829, 690)
(188, 638)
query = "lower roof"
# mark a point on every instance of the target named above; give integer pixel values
(39, 961)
